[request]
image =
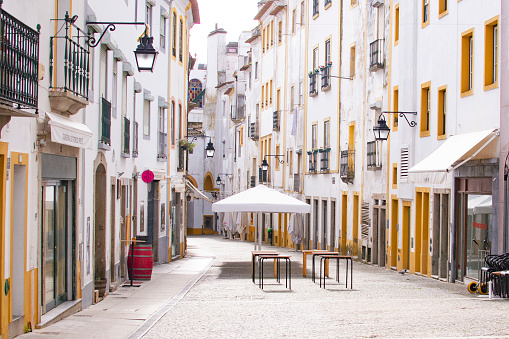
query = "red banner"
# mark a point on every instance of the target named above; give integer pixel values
(478, 225)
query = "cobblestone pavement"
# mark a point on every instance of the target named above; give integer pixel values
(225, 303)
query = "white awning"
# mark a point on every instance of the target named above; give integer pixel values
(68, 132)
(454, 152)
(198, 193)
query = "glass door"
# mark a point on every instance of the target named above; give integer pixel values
(54, 244)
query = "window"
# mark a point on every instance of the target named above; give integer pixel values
(314, 132)
(272, 33)
(301, 93)
(316, 4)
(270, 93)
(256, 70)
(442, 111)
(278, 98)
(174, 36)
(352, 60)
(263, 96)
(181, 40)
(263, 40)
(124, 94)
(267, 40)
(425, 107)
(266, 94)
(396, 25)
(292, 98)
(103, 75)
(425, 13)
(353, 2)
(162, 134)
(179, 126)
(442, 8)
(394, 176)
(290, 161)
(327, 52)
(280, 32)
(148, 15)
(146, 118)
(172, 122)
(491, 53)
(315, 58)
(277, 162)
(326, 134)
(114, 85)
(162, 33)
(395, 108)
(327, 2)
(302, 14)
(294, 19)
(467, 62)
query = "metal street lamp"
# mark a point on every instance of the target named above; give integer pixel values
(210, 149)
(264, 165)
(381, 130)
(145, 53)
(218, 181)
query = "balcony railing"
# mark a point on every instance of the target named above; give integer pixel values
(253, 131)
(180, 165)
(312, 84)
(127, 136)
(347, 165)
(324, 160)
(105, 121)
(374, 160)
(19, 62)
(135, 139)
(253, 181)
(162, 148)
(275, 121)
(312, 155)
(376, 55)
(296, 182)
(325, 77)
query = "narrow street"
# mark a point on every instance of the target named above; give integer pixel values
(221, 301)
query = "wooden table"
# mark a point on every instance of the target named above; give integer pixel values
(304, 259)
(277, 258)
(255, 254)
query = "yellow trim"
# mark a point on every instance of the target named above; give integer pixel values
(465, 55)
(441, 9)
(352, 60)
(396, 24)
(356, 222)
(173, 33)
(489, 81)
(4, 300)
(329, 5)
(392, 256)
(441, 104)
(277, 162)
(404, 254)
(394, 176)
(395, 108)
(316, 16)
(425, 108)
(344, 222)
(354, 3)
(192, 180)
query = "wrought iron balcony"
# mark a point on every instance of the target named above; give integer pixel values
(253, 181)
(162, 146)
(374, 159)
(275, 121)
(312, 84)
(296, 182)
(69, 71)
(105, 121)
(324, 160)
(126, 137)
(376, 55)
(347, 165)
(19, 66)
(325, 77)
(253, 131)
(312, 160)
(135, 139)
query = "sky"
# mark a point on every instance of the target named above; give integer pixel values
(234, 16)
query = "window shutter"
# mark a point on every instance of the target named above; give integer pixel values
(404, 165)
(365, 221)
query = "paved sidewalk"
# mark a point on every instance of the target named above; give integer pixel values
(210, 294)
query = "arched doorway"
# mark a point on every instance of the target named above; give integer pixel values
(100, 230)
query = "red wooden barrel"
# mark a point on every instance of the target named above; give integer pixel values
(141, 255)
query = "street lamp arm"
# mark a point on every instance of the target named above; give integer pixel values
(276, 156)
(93, 42)
(402, 114)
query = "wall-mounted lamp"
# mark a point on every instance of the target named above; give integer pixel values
(210, 149)
(381, 130)
(265, 165)
(218, 179)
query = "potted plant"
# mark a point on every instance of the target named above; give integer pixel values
(186, 145)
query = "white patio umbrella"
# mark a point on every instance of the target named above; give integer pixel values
(261, 199)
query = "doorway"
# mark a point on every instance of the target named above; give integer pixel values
(440, 239)
(58, 234)
(422, 210)
(324, 225)
(315, 225)
(113, 199)
(153, 218)
(394, 232)
(344, 222)
(100, 229)
(404, 256)
(379, 222)
(18, 238)
(308, 227)
(332, 238)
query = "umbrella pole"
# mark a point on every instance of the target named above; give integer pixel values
(260, 231)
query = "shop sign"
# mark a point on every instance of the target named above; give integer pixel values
(479, 225)
(147, 176)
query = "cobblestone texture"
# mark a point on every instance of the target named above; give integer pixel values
(383, 303)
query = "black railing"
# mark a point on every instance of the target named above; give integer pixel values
(275, 121)
(312, 160)
(19, 62)
(373, 158)
(253, 131)
(312, 84)
(324, 160)
(162, 149)
(376, 54)
(347, 165)
(76, 63)
(135, 139)
(180, 165)
(127, 135)
(325, 77)
(253, 181)
(105, 121)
